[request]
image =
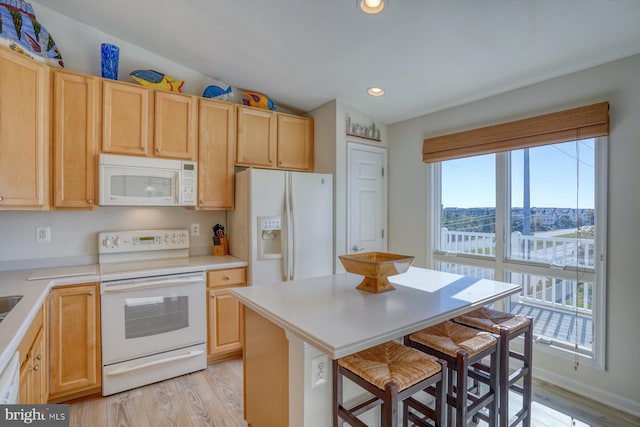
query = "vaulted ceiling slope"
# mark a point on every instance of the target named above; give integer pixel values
(428, 55)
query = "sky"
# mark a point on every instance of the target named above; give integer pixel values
(470, 182)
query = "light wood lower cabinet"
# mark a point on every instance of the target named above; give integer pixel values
(33, 363)
(224, 314)
(74, 342)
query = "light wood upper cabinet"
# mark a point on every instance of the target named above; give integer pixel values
(175, 130)
(33, 363)
(141, 121)
(76, 137)
(74, 342)
(256, 144)
(24, 132)
(224, 314)
(216, 154)
(127, 118)
(295, 142)
(274, 140)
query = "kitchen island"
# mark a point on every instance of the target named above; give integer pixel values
(293, 330)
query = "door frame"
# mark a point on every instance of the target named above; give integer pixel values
(351, 146)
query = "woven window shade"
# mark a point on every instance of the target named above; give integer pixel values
(578, 123)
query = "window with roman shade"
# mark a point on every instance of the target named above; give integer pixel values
(491, 217)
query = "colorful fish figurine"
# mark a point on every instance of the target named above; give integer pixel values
(255, 99)
(21, 32)
(216, 92)
(152, 78)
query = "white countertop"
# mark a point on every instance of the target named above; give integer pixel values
(330, 314)
(34, 292)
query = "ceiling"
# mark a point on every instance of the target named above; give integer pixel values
(428, 55)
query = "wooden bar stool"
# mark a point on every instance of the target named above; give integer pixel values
(391, 372)
(508, 326)
(462, 348)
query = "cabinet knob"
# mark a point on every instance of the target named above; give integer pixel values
(213, 296)
(36, 368)
(157, 150)
(202, 202)
(39, 357)
(227, 277)
(280, 162)
(270, 161)
(90, 201)
(90, 293)
(1, 198)
(144, 149)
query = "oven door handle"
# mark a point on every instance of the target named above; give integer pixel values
(136, 285)
(126, 369)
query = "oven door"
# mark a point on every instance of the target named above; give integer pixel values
(151, 315)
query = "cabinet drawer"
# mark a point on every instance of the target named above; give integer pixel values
(230, 277)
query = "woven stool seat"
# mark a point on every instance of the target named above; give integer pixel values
(449, 338)
(392, 373)
(492, 320)
(463, 349)
(509, 327)
(391, 362)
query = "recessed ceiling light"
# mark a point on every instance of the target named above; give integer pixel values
(375, 91)
(370, 6)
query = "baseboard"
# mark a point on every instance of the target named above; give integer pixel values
(613, 400)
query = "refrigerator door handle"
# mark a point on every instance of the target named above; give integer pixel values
(292, 230)
(286, 250)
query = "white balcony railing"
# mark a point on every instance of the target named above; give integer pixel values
(566, 295)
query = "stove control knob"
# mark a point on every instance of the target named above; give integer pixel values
(117, 241)
(166, 237)
(106, 242)
(183, 238)
(174, 238)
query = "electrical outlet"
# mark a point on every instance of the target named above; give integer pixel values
(43, 234)
(195, 229)
(319, 370)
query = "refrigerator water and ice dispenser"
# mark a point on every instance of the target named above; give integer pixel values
(269, 237)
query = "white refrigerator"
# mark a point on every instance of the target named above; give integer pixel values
(282, 224)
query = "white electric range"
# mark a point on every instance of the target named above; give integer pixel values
(153, 310)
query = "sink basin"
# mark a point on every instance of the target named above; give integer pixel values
(7, 303)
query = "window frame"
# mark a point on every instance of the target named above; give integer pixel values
(502, 266)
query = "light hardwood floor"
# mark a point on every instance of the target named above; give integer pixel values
(213, 398)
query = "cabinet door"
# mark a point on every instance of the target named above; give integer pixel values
(76, 133)
(24, 132)
(176, 119)
(127, 118)
(74, 341)
(295, 142)
(225, 322)
(216, 154)
(256, 144)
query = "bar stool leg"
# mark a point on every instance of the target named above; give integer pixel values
(494, 383)
(337, 394)
(504, 378)
(461, 389)
(527, 380)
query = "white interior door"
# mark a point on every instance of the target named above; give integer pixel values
(367, 198)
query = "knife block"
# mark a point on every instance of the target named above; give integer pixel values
(222, 249)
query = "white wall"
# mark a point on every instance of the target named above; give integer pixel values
(79, 45)
(616, 82)
(73, 233)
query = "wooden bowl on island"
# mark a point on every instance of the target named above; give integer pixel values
(376, 267)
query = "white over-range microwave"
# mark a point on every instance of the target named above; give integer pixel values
(143, 181)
